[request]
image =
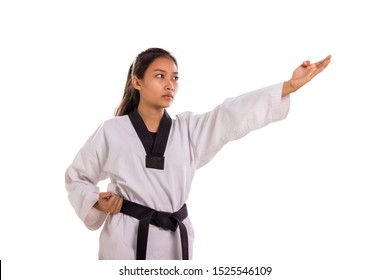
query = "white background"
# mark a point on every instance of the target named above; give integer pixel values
(308, 196)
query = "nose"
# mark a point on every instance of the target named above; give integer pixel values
(169, 86)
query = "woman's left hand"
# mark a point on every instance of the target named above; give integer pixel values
(304, 74)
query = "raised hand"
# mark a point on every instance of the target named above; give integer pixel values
(304, 74)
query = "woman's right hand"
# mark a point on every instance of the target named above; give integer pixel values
(109, 202)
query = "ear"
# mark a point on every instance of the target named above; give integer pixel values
(136, 82)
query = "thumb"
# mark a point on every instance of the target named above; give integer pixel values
(305, 63)
(105, 195)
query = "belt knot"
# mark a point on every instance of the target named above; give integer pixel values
(164, 220)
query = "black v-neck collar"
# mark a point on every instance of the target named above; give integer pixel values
(154, 148)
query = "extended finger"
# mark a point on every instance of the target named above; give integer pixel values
(318, 70)
(325, 61)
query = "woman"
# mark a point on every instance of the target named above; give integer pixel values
(151, 159)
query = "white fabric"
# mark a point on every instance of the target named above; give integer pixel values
(114, 151)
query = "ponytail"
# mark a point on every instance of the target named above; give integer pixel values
(130, 99)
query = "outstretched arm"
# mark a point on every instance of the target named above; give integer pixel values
(303, 74)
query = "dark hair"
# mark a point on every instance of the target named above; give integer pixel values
(131, 97)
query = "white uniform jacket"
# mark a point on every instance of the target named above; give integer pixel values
(115, 151)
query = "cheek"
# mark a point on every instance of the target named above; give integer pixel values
(151, 86)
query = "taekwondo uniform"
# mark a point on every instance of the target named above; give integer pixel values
(153, 173)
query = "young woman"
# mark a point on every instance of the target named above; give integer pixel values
(151, 159)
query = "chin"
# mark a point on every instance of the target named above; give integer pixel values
(167, 105)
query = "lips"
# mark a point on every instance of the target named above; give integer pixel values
(168, 96)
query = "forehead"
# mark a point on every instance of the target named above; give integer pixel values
(163, 63)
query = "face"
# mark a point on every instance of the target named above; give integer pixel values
(159, 85)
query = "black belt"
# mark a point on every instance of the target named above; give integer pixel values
(166, 220)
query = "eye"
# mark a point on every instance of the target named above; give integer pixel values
(160, 76)
(176, 78)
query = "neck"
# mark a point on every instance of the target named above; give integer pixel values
(151, 117)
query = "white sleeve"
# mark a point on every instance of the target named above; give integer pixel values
(235, 118)
(81, 180)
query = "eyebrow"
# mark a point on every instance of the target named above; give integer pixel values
(160, 70)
